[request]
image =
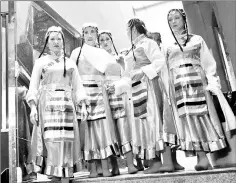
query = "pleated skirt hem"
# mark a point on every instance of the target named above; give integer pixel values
(192, 147)
(125, 148)
(59, 171)
(104, 153)
(171, 138)
(148, 153)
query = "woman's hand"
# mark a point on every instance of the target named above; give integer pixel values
(137, 75)
(110, 88)
(84, 112)
(34, 115)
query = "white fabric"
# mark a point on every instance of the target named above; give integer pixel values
(35, 80)
(122, 86)
(209, 65)
(93, 55)
(53, 29)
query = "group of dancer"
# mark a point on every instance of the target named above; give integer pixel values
(99, 104)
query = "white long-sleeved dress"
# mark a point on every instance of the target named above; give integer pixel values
(147, 128)
(190, 72)
(99, 140)
(57, 98)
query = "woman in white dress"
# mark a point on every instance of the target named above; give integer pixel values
(55, 92)
(100, 139)
(118, 103)
(142, 65)
(192, 78)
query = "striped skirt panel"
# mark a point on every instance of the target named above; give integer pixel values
(96, 109)
(189, 92)
(139, 96)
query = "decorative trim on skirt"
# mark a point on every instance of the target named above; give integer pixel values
(126, 148)
(124, 137)
(202, 146)
(146, 153)
(171, 139)
(59, 171)
(39, 160)
(100, 140)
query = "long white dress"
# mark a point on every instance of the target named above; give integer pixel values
(57, 98)
(99, 137)
(147, 129)
(118, 104)
(190, 72)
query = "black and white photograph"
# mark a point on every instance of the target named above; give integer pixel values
(118, 91)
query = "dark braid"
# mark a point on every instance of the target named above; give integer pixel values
(46, 42)
(187, 33)
(77, 60)
(113, 44)
(64, 55)
(132, 47)
(98, 40)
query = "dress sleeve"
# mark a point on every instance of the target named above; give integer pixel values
(156, 58)
(78, 88)
(129, 64)
(209, 65)
(74, 54)
(34, 82)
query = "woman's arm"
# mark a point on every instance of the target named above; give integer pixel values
(31, 96)
(78, 88)
(156, 58)
(209, 65)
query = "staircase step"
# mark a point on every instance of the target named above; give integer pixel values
(226, 175)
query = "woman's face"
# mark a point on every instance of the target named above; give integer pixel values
(176, 21)
(55, 42)
(105, 41)
(90, 36)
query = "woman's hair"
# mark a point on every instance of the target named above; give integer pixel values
(140, 27)
(110, 36)
(49, 31)
(158, 34)
(183, 14)
(138, 24)
(86, 25)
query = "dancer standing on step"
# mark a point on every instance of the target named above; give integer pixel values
(143, 63)
(192, 78)
(100, 141)
(117, 102)
(169, 162)
(55, 92)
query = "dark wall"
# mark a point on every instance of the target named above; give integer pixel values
(4, 151)
(227, 17)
